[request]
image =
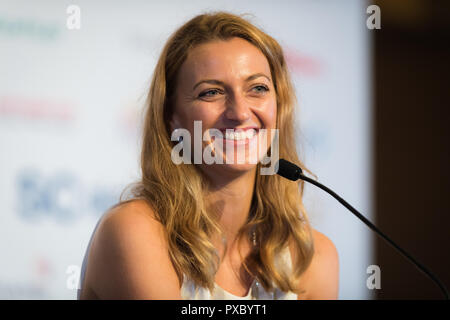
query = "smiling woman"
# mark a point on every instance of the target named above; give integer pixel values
(221, 230)
(244, 99)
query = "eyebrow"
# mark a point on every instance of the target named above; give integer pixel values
(213, 81)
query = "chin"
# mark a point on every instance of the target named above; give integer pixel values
(227, 169)
(238, 167)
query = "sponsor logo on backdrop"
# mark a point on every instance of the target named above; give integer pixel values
(129, 121)
(36, 109)
(21, 27)
(60, 196)
(40, 275)
(302, 64)
(22, 290)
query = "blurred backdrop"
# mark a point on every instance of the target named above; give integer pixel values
(71, 106)
(412, 149)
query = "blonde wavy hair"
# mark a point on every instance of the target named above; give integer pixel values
(176, 193)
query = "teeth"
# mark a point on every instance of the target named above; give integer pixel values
(249, 134)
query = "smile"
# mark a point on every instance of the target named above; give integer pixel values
(239, 134)
(253, 139)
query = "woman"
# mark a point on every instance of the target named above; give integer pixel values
(221, 230)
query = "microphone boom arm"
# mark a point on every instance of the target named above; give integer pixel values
(293, 172)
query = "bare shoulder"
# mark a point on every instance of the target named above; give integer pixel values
(323, 244)
(129, 256)
(132, 212)
(321, 280)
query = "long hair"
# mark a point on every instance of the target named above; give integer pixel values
(176, 192)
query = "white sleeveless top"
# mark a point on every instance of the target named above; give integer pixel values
(189, 291)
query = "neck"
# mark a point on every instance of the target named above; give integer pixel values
(231, 196)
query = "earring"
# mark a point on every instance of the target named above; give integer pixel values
(254, 237)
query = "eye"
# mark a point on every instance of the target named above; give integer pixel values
(264, 88)
(214, 92)
(207, 93)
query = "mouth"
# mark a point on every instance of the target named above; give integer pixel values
(239, 134)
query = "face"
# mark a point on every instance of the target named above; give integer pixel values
(227, 85)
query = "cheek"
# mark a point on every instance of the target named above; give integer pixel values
(206, 115)
(269, 114)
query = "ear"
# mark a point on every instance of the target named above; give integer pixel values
(174, 122)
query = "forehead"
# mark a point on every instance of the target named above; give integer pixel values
(236, 57)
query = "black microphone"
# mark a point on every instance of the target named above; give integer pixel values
(292, 172)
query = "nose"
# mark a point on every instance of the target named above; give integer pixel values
(237, 109)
